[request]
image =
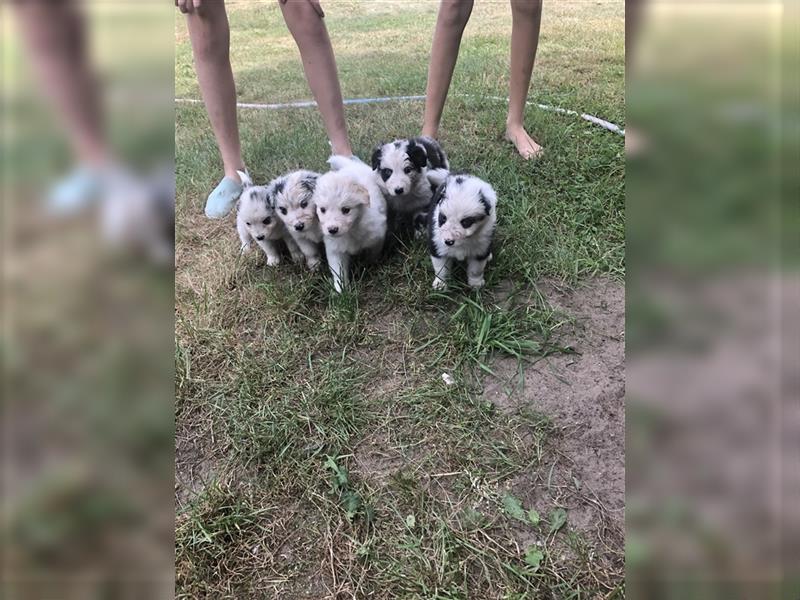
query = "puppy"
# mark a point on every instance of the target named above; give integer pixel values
(400, 169)
(295, 204)
(256, 220)
(461, 223)
(352, 215)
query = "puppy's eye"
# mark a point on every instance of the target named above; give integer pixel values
(304, 203)
(267, 221)
(322, 210)
(385, 174)
(407, 170)
(467, 223)
(442, 219)
(345, 211)
(248, 224)
(283, 210)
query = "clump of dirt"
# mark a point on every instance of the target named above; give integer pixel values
(582, 393)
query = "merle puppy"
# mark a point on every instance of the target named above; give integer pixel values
(400, 169)
(257, 222)
(461, 223)
(294, 201)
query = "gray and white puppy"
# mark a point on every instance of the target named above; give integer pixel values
(294, 200)
(400, 168)
(461, 223)
(257, 221)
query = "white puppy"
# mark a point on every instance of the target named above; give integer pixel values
(400, 169)
(295, 204)
(352, 215)
(256, 220)
(461, 225)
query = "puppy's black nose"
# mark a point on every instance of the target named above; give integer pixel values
(333, 230)
(259, 237)
(398, 190)
(449, 242)
(299, 226)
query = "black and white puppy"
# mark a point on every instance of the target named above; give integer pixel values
(461, 223)
(400, 168)
(257, 221)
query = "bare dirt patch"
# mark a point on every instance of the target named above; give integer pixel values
(582, 393)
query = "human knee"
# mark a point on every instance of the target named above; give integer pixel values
(302, 20)
(526, 8)
(455, 13)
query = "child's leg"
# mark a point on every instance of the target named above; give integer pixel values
(526, 16)
(450, 23)
(210, 36)
(308, 29)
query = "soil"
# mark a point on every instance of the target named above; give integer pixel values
(582, 394)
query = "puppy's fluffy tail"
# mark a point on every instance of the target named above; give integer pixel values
(245, 177)
(437, 176)
(339, 161)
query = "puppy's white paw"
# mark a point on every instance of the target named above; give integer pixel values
(273, 261)
(439, 284)
(313, 264)
(297, 258)
(245, 248)
(476, 283)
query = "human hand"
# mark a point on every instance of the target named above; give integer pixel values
(314, 4)
(187, 6)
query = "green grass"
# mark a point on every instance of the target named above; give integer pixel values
(351, 467)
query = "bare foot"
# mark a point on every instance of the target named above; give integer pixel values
(525, 144)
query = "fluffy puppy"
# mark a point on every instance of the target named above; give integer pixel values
(294, 201)
(400, 169)
(352, 215)
(256, 220)
(461, 224)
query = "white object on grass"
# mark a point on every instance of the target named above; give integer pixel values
(613, 127)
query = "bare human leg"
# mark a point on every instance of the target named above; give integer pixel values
(304, 18)
(210, 36)
(526, 20)
(450, 23)
(55, 35)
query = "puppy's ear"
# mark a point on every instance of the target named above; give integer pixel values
(417, 155)
(245, 177)
(485, 203)
(377, 154)
(359, 193)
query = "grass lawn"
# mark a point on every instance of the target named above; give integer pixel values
(319, 452)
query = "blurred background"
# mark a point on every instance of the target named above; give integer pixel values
(87, 297)
(87, 340)
(712, 297)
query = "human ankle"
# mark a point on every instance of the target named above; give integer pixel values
(232, 174)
